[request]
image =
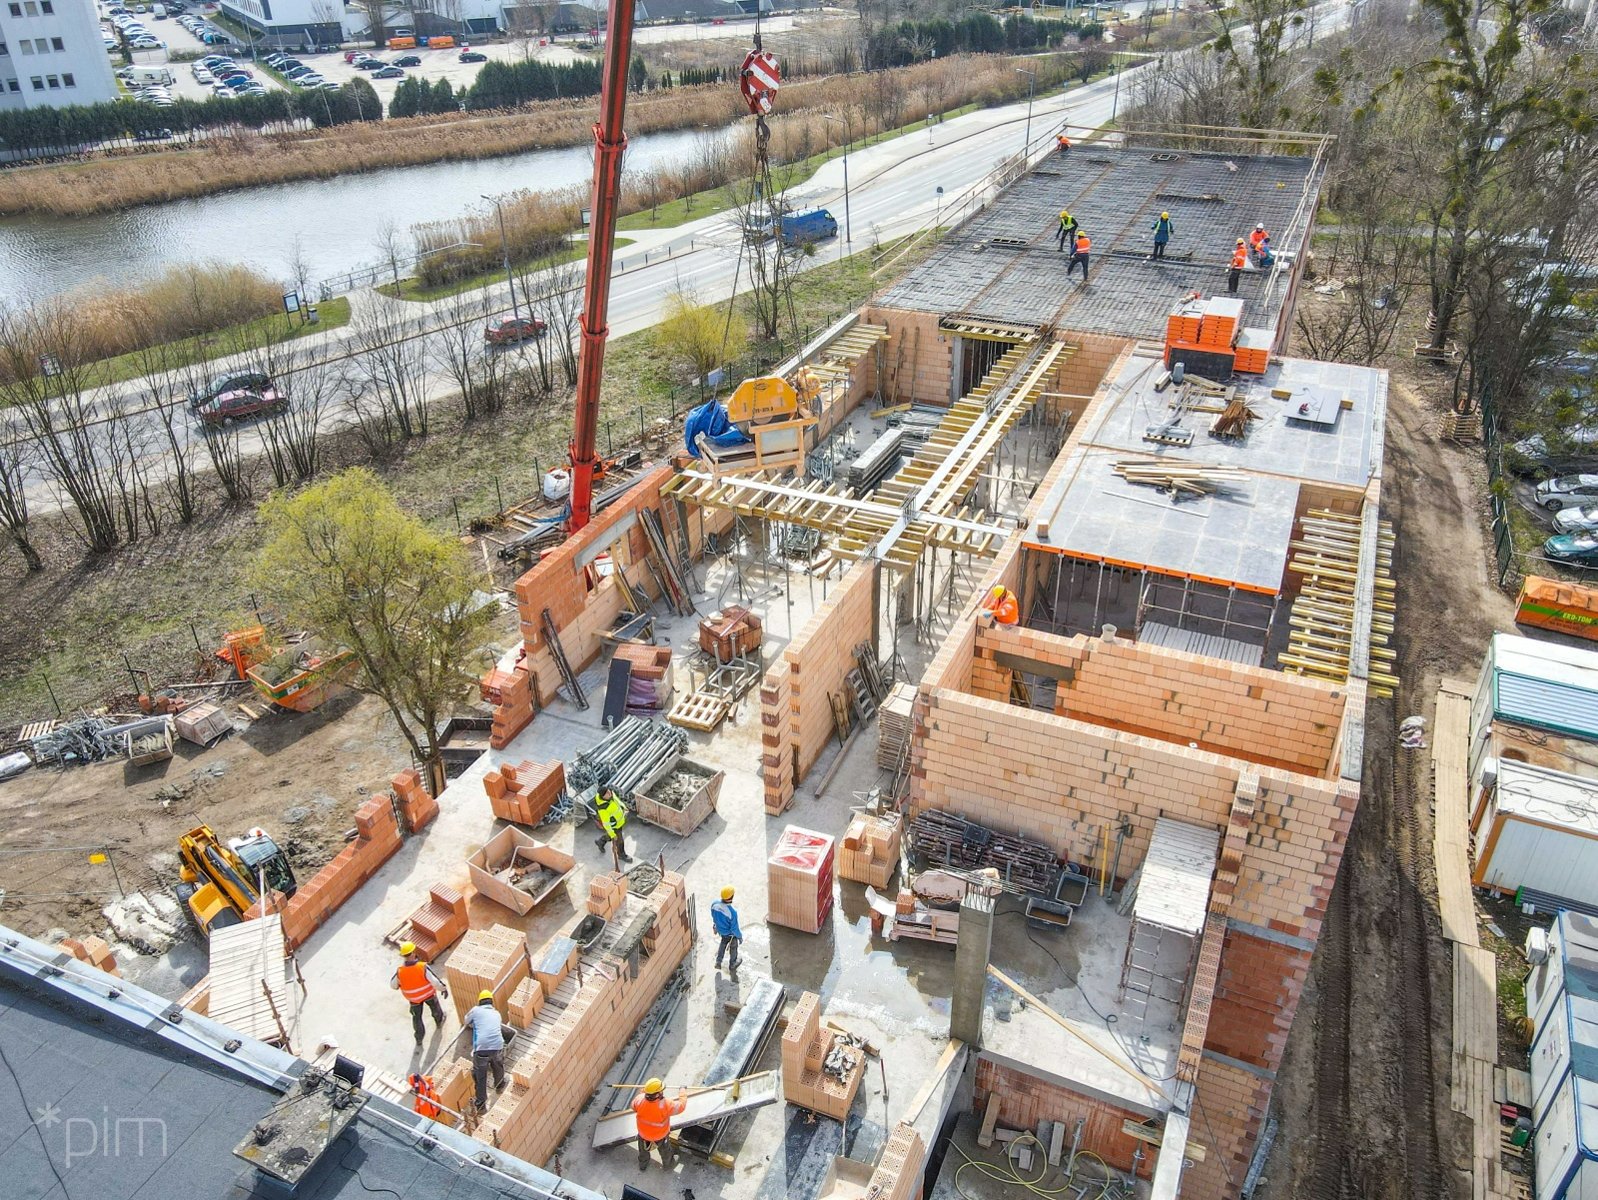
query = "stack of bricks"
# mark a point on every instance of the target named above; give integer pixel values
(377, 838)
(439, 923)
(869, 852)
(776, 740)
(525, 1002)
(524, 793)
(574, 1039)
(799, 876)
(95, 951)
(651, 664)
(897, 1175)
(607, 891)
(492, 959)
(510, 690)
(556, 960)
(805, 1047)
(415, 805)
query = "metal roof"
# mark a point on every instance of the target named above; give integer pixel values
(1543, 685)
(1551, 797)
(1173, 890)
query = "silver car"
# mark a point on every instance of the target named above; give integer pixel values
(1567, 491)
(1581, 519)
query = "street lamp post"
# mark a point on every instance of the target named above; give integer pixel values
(1031, 82)
(848, 231)
(937, 220)
(504, 248)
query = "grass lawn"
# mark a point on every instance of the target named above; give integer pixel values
(279, 327)
(413, 289)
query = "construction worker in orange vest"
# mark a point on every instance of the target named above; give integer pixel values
(1064, 143)
(1001, 605)
(1239, 262)
(1259, 243)
(654, 1113)
(421, 987)
(1079, 255)
(427, 1103)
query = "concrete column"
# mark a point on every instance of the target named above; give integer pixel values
(971, 956)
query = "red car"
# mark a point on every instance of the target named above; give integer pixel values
(237, 405)
(507, 331)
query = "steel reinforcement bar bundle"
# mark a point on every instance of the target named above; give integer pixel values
(626, 756)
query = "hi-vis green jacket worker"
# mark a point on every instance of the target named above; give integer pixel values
(612, 819)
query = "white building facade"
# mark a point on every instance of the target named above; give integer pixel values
(52, 55)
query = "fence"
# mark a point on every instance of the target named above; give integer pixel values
(1514, 564)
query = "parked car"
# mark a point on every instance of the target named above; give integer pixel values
(507, 331)
(408, 60)
(201, 75)
(473, 56)
(370, 64)
(1565, 491)
(233, 381)
(389, 73)
(152, 135)
(1578, 548)
(1581, 518)
(238, 405)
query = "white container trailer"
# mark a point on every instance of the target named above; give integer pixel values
(1572, 960)
(1567, 1143)
(1537, 830)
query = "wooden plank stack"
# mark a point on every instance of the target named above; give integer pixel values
(894, 725)
(870, 850)
(524, 793)
(1176, 475)
(800, 874)
(1322, 624)
(492, 959)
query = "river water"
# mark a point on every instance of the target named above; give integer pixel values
(334, 222)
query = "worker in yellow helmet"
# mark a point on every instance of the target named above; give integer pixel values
(1001, 606)
(488, 1046)
(653, 1113)
(725, 919)
(1163, 229)
(1067, 231)
(421, 987)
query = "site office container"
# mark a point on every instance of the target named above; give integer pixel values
(1536, 828)
(1567, 1143)
(1561, 607)
(1536, 685)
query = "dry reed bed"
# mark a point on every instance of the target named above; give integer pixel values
(880, 100)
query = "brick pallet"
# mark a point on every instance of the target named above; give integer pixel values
(525, 793)
(800, 874)
(806, 1047)
(870, 850)
(439, 923)
(492, 959)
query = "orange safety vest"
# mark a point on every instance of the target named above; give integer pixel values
(1082, 243)
(1257, 237)
(1006, 611)
(654, 1116)
(427, 1100)
(1239, 259)
(415, 986)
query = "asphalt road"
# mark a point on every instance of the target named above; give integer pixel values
(892, 192)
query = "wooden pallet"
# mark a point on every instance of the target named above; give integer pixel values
(701, 711)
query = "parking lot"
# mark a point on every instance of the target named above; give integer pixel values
(436, 64)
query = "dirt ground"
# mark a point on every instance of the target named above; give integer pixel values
(1362, 1093)
(298, 775)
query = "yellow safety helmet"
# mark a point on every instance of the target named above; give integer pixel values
(408, 948)
(1165, 216)
(726, 893)
(485, 994)
(998, 591)
(654, 1087)
(1240, 241)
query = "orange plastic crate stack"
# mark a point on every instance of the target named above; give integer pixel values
(799, 877)
(1253, 354)
(1183, 324)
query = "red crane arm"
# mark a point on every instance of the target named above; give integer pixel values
(609, 142)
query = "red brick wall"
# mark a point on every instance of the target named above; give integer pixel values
(1230, 1114)
(1255, 998)
(1024, 1100)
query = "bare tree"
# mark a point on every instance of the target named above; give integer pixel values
(291, 437)
(555, 293)
(770, 260)
(376, 13)
(477, 369)
(388, 397)
(1259, 63)
(56, 396)
(15, 460)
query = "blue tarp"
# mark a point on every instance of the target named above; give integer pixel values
(711, 420)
